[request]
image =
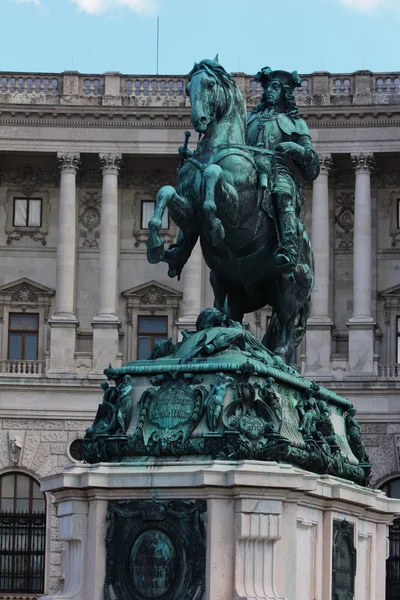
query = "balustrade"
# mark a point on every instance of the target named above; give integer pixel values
(389, 371)
(30, 84)
(24, 368)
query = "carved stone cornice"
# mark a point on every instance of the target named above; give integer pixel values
(110, 163)
(363, 163)
(325, 163)
(29, 179)
(68, 162)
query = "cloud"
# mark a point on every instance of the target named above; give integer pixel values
(96, 7)
(370, 6)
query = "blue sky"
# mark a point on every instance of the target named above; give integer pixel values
(94, 36)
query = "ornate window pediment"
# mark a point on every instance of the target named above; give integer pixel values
(25, 294)
(140, 231)
(151, 298)
(391, 299)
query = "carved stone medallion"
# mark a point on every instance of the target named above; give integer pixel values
(155, 550)
(90, 218)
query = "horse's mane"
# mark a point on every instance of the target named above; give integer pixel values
(213, 68)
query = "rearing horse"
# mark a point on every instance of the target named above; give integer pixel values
(218, 199)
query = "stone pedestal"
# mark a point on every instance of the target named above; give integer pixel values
(263, 531)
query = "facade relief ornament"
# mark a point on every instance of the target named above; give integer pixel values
(89, 178)
(363, 163)
(110, 163)
(344, 221)
(68, 162)
(151, 181)
(344, 178)
(25, 294)
(153, 295)
(90, 218)
(29, 179)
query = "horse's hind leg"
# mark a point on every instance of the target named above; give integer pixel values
(215, 185)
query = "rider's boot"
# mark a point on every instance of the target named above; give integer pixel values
(286, 253)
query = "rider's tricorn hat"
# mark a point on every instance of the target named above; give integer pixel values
(291, 79)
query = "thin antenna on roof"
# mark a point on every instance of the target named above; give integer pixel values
(158, 38)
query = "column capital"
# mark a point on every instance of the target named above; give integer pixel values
(110, 163)
(363, 163)
(325, 163)
(68, 162)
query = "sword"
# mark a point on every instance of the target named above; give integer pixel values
(185, 145)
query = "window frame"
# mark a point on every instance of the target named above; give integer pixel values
(151, 335)
(142, 227)
(23, 332)
(396, 351)
(28, 201)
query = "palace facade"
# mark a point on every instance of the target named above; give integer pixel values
(81, 160)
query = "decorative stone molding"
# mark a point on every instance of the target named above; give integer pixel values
(110, 163)
(68, 162)
(363, 163)
(344, 221)
(141, 235)
(90, 219)
(36, 233)
(258, 526)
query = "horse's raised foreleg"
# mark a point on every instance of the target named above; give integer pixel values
(181, 211)
(217, 187)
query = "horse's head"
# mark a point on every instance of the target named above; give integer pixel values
(212, 92)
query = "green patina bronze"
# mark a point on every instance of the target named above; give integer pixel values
(240, 193)
(221, 392)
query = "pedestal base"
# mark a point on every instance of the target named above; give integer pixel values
(261, 531)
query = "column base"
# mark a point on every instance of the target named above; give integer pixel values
(62, 346)
(361, 365)
(105, 344)
(318, 349)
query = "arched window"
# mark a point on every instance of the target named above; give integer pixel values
(392, 489)
(22, 534)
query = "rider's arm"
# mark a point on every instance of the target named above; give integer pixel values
(308, 164)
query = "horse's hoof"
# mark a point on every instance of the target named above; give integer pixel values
(155, 250)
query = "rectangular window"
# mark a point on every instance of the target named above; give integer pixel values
(150, 331)
(23, 335)
(27, 212)
(398, 213)
(398, 341)
(147, 213)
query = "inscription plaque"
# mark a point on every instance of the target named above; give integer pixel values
(155, 550)
(343, 561)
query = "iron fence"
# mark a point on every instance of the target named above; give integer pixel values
(22, 547)
(393, 563)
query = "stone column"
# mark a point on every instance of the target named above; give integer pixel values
(361, 325)
(192, 290)
(63, 322)
(319, 324)
(106, 323)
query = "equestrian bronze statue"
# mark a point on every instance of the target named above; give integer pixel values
(240, 193)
